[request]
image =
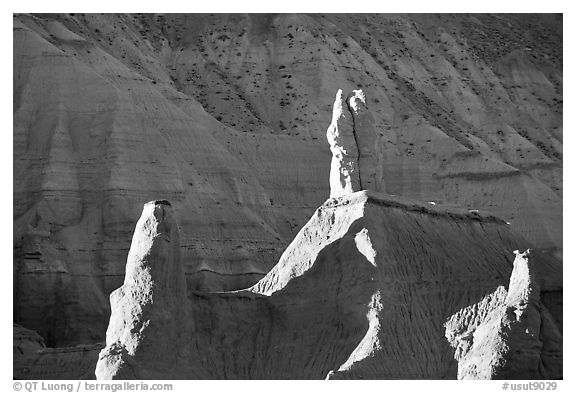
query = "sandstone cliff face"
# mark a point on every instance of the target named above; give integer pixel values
(225, 116)
(373, 286)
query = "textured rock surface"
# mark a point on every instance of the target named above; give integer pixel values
(32, 360)
(26, 341)
(149, 309)
(366, 290)
(503, 336)
(344, 171)
(369, 143)
(357, 156)
(225, 116)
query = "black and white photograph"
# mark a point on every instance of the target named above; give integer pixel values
(221, 195)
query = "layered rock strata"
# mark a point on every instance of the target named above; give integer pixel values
(32, 360)
(225, 115)
(371, 287)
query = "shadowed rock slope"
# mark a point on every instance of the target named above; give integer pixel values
(225, 116)
(373, 286)
(32, 360)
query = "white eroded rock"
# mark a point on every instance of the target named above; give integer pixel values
(370, 343)
(357, 157)
(148, 310)
(344, 175)
(348, 299)
(81, 164)
(500, 336)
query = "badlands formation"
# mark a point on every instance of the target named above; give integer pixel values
(370, 282)
(439, 118)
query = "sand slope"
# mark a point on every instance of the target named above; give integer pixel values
(372, 287)
(226, 115)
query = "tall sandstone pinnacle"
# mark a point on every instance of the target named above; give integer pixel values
(225, 115)
(372, 287)
(344, 171)
(148, 310)
(357, 157)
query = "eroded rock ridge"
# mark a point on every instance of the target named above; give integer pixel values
(367, 289)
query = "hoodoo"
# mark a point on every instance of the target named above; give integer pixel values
(226, 116)
(357, 157)
(344, 171)
(373, 286)
(347, 299)
(149, 309)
